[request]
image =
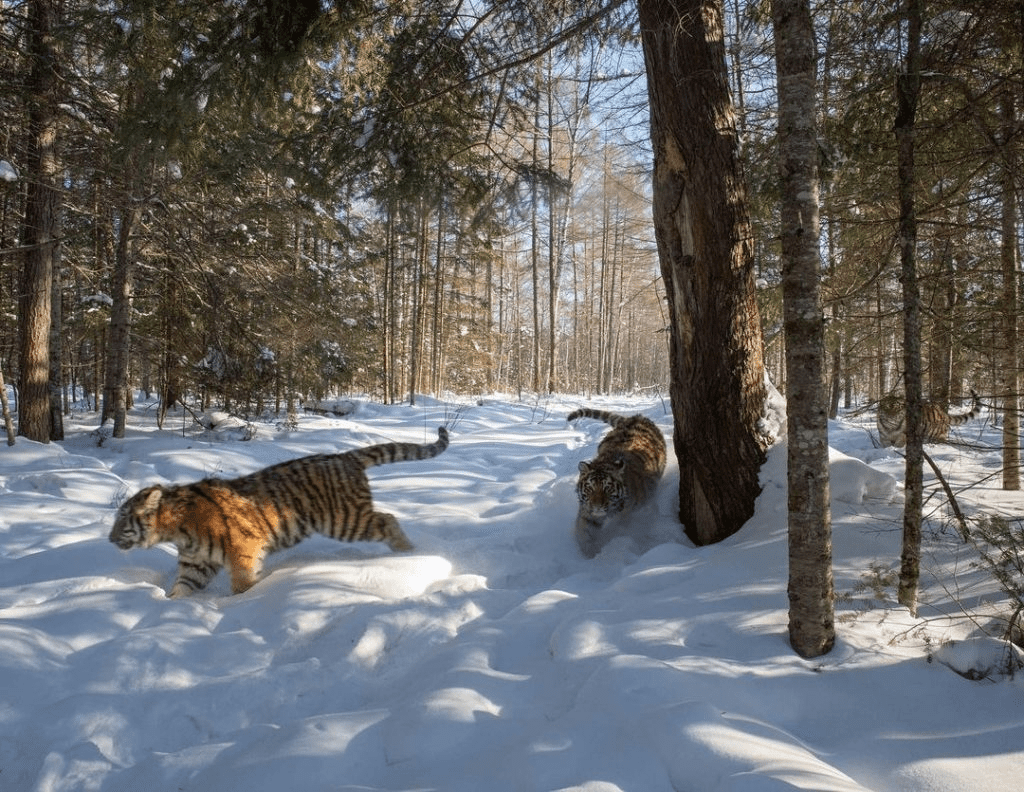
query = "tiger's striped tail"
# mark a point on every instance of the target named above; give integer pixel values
(956, 420)
(385, 453)
(610, 418)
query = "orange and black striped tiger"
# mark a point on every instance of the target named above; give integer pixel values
(935, 422)
(237, 522)
(629, 463)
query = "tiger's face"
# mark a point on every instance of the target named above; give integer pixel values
(134, 525)
(890, 405)
(600, 490)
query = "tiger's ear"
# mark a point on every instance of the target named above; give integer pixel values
(619, 461)
(152, 500)
(584, 466)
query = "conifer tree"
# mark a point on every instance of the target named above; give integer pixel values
(40, 231)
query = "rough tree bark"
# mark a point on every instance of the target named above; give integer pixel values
(39, 235)
(908, 90)
(703, 233)
(811, 612)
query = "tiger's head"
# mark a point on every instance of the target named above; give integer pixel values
(890, 405)
(135, 524)
(600, 489)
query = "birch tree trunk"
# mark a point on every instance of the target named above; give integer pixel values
(703, 232)
(908, 89)
(811, 616)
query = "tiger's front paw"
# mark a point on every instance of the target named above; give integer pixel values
(586, 533)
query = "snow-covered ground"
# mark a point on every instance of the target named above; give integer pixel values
(494, 657)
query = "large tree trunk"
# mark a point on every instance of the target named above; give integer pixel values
(908, 89)
(39, 235)
(703, 232)
(811, 616)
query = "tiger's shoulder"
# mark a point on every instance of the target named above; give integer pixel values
(634, 439)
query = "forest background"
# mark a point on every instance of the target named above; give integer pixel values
(445, 199)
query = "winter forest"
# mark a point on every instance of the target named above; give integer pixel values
(400, 210)
(450, 198)
(240, 232)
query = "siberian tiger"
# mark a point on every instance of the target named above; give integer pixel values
(625, 473)
(892, 421)
(237, 522)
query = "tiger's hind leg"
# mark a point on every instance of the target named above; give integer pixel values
(383, 527)
(244, 578)
(246, 566)
(193, 575)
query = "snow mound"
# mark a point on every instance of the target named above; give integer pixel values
(853, 481)
(981, 657)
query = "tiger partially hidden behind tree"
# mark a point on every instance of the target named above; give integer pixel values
(892, 421)
(237, 522)
(629, 463)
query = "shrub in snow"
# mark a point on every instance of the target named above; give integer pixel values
(1000, 543)
(981, 658)
(224, 426)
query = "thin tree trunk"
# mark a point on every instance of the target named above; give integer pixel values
(174, 325)
(941, 354)
(703, 232)
(882, 359)
(437, 318)
(535, 238)
(6, 409)
(56, 345)
(613, 265)
(603, 304)
(908, 89)
(552, 237)
(1010, 377)
(811, 618)
(416, 339)
(291, 355)
(389, 304)
(116, 380)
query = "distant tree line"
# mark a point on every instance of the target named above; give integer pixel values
(405, 206)
(401, 204)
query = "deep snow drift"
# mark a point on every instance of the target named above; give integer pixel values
(494, 657)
